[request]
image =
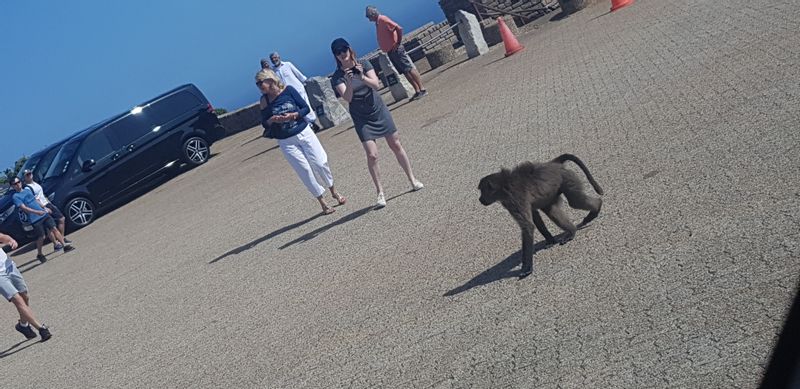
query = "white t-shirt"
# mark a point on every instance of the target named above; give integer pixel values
(5, 262)
(290, 75)
(37, 192)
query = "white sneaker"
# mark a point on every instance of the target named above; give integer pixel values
(381, 201)
(417, 185)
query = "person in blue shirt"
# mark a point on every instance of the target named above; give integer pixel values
(39, 218)
(282, 114)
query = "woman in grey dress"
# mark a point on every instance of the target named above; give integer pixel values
(357, 83)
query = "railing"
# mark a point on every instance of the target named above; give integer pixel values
(527, 10)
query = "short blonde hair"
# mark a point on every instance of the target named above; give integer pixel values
(268, 74)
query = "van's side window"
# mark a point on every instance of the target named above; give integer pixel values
(96, 146)
(171, 107)
(127, 130)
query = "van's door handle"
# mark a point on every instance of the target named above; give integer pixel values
(131, 147)
(115, 157)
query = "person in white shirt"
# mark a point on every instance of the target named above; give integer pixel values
(55, 213)
(15, 290)
(290, 75)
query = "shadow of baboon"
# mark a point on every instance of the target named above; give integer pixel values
(499, 271)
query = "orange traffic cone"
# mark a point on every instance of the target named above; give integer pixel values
(617, 4)
(509, 40)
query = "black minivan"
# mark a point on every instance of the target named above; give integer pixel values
(108, 162)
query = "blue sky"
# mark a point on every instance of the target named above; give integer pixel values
(68, 64)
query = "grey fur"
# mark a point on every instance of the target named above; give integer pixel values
(531, 187)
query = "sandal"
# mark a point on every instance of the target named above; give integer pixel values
(341, 199)
(328, 211)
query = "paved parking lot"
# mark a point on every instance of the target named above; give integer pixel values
(686, 112)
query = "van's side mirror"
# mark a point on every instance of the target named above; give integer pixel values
(87, 165)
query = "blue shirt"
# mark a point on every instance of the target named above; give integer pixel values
(26, 197)
(287, 102)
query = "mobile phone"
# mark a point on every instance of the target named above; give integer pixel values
(355, 70)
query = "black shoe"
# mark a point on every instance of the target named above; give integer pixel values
(421, 94)
(41, 258)
(44, 332)
(68, 248)
(27, 330)
(67, 241)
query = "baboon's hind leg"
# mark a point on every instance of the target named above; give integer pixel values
(558, 216)
(578, 199)
(539, 223)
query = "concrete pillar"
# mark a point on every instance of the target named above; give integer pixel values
(471, 34)
(396, 82)
(324, 102)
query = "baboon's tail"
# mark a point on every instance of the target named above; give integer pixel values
(569, 157)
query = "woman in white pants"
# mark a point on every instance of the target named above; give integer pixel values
(282, 115)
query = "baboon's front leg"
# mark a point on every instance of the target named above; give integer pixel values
(539, 223)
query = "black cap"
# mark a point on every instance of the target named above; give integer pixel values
(338, 44)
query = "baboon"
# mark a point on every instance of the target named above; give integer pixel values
(530, 187)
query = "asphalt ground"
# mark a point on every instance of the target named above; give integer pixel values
(686, 112)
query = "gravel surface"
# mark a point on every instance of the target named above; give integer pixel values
(686, 112)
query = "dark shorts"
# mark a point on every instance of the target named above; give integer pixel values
(401, 61)
(55, 212)
(43, 225)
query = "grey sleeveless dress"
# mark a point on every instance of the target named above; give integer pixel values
(371, 116)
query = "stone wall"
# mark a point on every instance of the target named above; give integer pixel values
(241, 119)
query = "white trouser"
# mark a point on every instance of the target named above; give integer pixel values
(306, 155)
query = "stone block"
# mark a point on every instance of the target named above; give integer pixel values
(471, 35)
(329, 110)
(396, 82)
(441, 56)
(491, 32)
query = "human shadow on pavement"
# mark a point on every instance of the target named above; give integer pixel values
(11, 350)
(264, 238)
(337, 222)
(501, 270)
(251, 140)
(23, 269)
(343, 131)
(26, 248)
(263, 152)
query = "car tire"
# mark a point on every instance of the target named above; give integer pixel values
(195, 151)
(79, 212)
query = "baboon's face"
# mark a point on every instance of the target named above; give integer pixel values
(488, 187)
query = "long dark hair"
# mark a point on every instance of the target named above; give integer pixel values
(353, 55)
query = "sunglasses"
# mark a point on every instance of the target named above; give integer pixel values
(14, 183)
(341, 50)
(258, 83)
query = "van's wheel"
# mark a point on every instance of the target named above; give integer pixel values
(195, 151)
(80, 212)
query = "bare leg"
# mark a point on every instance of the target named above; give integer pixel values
(400, 153)
(54, 233)
(371, 148)
(326, 209)
(415, 79)
(25, 312)
(61, 227)
(337, 196)
(39, 244)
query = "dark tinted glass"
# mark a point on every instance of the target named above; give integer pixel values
(127, 130)
(171, 107)
(62, 159)
(96, 146)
